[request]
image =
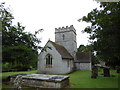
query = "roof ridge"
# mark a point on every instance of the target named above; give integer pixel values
(56, 43)
(62, 50)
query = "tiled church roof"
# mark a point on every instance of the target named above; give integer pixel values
(63, 52)
(80, 56)
(83, 57)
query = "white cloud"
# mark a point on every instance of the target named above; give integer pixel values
(51, 14)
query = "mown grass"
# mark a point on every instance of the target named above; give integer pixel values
(80, 79)
(5, 75)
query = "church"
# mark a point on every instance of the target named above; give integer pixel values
(62, 56)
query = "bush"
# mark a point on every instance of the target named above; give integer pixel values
(6, 66)
(21, 68)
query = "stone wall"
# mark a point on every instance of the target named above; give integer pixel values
(83, 66)
(42, 80)
(45, 83)
(69, 41)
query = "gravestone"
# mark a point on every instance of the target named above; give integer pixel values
(106, 71)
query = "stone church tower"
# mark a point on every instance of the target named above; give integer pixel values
(63, 58)
(66, 36)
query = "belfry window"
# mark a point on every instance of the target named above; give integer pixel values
(48, 61)
(63, 37)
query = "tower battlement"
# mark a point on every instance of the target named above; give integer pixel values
(67, 28)
(66, 36)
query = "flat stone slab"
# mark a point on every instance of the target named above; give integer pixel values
(43, 80)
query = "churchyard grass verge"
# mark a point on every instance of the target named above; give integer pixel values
(80, 79)
(6, 74)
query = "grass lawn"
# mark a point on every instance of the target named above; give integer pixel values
(81, 79)
(6, 74)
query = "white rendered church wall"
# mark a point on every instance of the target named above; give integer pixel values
(55, 59)
(83, 66)
(58, 65)
(67, 66)
(77, 65)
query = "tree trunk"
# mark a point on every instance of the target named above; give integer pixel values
(94, 72)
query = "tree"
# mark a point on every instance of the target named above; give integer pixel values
(105, 32)
(19, 48)
(83, 48)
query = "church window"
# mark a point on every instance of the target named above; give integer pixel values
(63, 37)
(48, 61)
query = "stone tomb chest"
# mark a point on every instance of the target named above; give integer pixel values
(42, 80)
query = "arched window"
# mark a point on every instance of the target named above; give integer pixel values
(49, 61)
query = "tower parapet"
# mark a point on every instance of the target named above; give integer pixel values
(65, 29)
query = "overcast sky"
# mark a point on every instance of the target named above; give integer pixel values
(51, 14)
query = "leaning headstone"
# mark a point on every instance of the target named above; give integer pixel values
(106, 71)
(94, 72)
(118, 69)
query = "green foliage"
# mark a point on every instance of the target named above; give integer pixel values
(19, 55)
(88, 49)
(104, 32)
(19, 48)
(6, 66)
(83, 48)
